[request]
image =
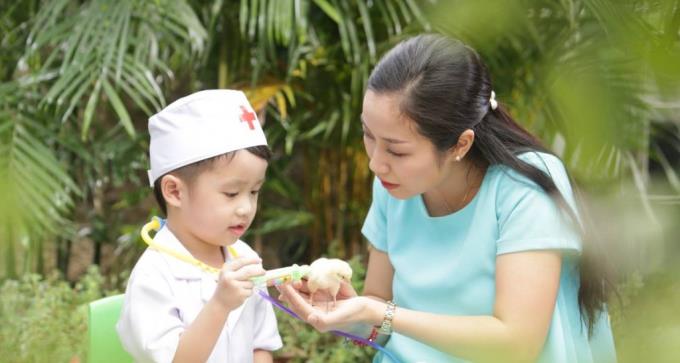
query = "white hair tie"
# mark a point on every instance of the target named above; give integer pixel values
(492, 101)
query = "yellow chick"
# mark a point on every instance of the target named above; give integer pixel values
(326, 275)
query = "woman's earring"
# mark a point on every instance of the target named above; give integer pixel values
(457, 157)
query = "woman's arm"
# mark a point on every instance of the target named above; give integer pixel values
(262, 356)
(379, 274)
(526, 290)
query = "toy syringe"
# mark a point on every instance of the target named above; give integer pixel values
(281, 276)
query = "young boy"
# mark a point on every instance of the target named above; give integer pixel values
(208, 161)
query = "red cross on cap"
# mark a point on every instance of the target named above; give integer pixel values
(247, 116)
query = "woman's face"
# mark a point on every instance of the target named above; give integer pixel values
(406, 162)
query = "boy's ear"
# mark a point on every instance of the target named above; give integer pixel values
(173, 189)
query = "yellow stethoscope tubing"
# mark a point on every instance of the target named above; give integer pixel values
(291, 273)
(155, 225)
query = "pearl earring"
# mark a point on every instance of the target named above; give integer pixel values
(457, 157)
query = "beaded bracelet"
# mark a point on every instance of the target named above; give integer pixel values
(371, 338)
(386, 326)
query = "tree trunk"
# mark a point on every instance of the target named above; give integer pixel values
(10, 263)
(63, 255)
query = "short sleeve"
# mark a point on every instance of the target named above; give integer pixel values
(150, 326)
(266, 330)
(374, 228)
(528, 218)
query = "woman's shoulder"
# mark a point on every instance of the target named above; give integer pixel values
(510, 185)
(545, 162)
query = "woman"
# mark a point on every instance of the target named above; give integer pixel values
(477, 250)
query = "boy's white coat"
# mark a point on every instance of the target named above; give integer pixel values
(164, 295)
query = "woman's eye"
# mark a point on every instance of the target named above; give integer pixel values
(231, 195)
(396, 153)
(255, 192)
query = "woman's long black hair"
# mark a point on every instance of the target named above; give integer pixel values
(446, 89)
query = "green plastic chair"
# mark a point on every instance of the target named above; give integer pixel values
(104, 345)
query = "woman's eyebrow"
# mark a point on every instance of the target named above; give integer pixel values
(390, 140)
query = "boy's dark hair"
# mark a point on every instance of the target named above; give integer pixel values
(189, 172)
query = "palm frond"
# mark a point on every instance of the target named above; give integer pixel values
(36, 187)
(109, 51)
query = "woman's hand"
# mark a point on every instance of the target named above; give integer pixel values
(346, 291)
(348, 310)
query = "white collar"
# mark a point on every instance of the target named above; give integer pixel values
(185, 271)
(178, 268)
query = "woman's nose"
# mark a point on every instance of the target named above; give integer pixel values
(377, 164)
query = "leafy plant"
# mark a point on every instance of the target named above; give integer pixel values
(36, 188)
(44, 319)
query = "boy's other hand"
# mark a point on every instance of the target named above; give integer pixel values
(234, 285)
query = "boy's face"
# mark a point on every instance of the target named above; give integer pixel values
(221, 202)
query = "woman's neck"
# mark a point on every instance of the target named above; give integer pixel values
(456, 191)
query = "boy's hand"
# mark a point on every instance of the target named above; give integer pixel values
(234, 285)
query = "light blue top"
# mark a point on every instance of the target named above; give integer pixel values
(446, 265)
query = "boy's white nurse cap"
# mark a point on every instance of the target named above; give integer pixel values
(200, 126)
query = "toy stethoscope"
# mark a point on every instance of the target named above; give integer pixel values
(274, 277)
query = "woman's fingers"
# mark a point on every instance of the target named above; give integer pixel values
(326, 321)
(320, 317)
(301, 286)
(316, 320)
(346, 290)
(283, 298)
(345, 314)
(296, 302)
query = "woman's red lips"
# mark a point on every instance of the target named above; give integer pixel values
(388, 185)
